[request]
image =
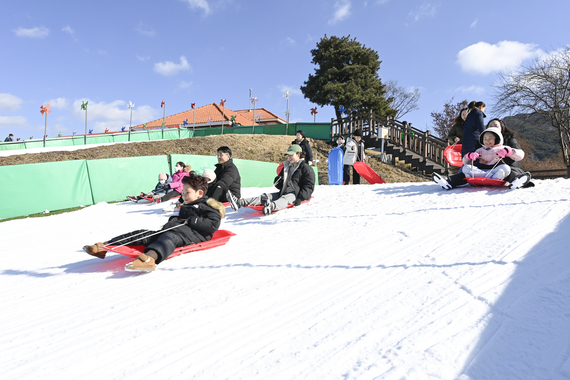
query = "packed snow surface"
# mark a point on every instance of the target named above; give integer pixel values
(394, 281)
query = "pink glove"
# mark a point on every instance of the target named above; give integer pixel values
(472, 156)
(506, 151)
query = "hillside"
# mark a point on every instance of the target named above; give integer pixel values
(536, 131)
(266, 148)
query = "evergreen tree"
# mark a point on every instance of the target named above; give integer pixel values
(347, 75)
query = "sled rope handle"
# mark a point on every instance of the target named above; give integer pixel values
(497, 163)
(144, 232)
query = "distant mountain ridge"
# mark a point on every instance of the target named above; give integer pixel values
(538, 132)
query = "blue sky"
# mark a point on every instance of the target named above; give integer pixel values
(202, 51)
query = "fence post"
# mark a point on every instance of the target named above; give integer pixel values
(404, 135)
(568, 171)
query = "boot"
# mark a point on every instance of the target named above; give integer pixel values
(520, 181)
(143, 263)
(234, 201)
(133, 199)
(441, 180)
(268, 206)
(95, 250)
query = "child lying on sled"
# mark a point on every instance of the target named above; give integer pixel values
(199, 218)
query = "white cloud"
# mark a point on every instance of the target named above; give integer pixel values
(40, 32)
(423, 11)
(293, 90)
(381, 1)
(142, 59)
(12, 121)
(58, 103)
(103, 52)
(289, 41)
(484, 58)
(68, 29)
(342, 11)
(145, 30)
(9, 102)
(478, 90)
(199, 4)
(112, 115)
(474, 23)
(171, 68)
(185, 85)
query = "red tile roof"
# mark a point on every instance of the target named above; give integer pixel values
(216, 113)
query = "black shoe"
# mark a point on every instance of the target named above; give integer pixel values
(234, 202)
(520, 181)
(268, 206)
(441, 181)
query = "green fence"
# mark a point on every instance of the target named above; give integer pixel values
(53, 186)
(320, 131)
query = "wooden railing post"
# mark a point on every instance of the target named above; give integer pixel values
(404, 135)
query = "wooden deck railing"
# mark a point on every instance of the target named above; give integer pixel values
(400, 133)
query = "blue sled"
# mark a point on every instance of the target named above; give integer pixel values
(335, 166)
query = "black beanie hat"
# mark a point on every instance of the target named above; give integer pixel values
(357, 132)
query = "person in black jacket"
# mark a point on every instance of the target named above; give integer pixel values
(227, 177)
(296, 183)
(199, 218)
(473, 126)
(302, 141)
(518, 178)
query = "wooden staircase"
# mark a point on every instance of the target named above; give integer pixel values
(401, 140)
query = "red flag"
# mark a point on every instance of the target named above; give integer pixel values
(162, 104)
(222, 102)
(193, 104)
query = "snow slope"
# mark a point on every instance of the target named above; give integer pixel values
(396, 281)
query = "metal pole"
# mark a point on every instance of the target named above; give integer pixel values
(45, 132)
(131, 124)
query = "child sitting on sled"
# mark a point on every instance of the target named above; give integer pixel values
(175, 205)
(199, 218)
(160, 189)
(485, 161)
(296, 183)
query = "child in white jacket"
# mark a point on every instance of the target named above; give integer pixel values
(484, 162)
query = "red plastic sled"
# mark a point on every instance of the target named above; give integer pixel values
(260, 207)
(220, 237)
(452, 155)
(368, 173)
(485, 181)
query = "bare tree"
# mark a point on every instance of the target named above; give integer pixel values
(541, 87)
(401, 100)
(444, 120)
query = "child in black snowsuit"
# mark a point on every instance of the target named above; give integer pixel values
(199, 218)
(160, 189)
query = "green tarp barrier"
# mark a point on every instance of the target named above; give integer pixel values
(252, 173)
(112, 179)
(35, 188)
(59, 185)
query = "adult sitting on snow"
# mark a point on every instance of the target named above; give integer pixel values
(296, 183)
(227, 177)
(199, 218)
(517, 177)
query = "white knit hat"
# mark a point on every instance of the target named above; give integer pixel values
(209, 174)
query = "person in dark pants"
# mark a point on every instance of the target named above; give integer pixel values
(302, 141)
(227, 177)
(354, 152)
(295, 182)
(516, 179)
(9, 138)
(199, 218)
